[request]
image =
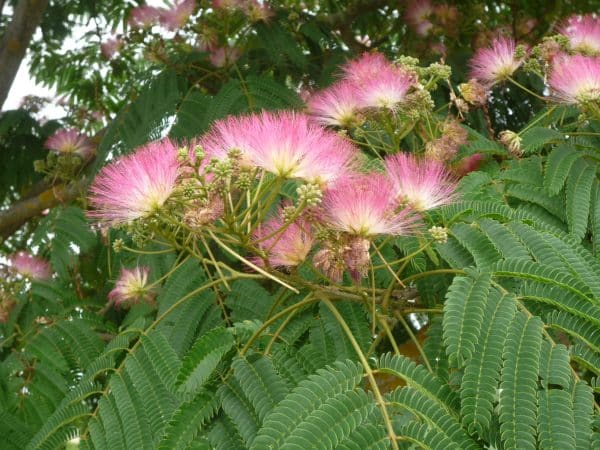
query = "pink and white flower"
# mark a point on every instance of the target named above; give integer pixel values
(135, 185)
(177, 16)
(70, 141)
(290, 145)
(583, 33)
(575, 79)
(417, 15)
(496, 63)
(287, 144)
(143, 16)
(387, 89)
(223, 56)
(131, 287)
(335, 106)
(30, 266)
(365, 68)
(422, 183)
(286, 245)
(365, 205)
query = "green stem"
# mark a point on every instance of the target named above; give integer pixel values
(378, 397)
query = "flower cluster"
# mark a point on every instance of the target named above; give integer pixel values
(369, 82)
(172, 19)
(337, 209)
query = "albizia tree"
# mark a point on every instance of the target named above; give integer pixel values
(285, 225)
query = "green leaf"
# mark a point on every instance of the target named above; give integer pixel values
(558, 166)
(556, 426)
(203, 358)
(481, 375)
(579, 192)
(536, 137)
(463, 316)
(518, 382)
(187, 421)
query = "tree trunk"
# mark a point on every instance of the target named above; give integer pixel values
(15, 41)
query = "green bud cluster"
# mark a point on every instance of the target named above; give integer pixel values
(310, 193)
(439, 234)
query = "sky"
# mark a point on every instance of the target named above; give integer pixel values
(25, 85)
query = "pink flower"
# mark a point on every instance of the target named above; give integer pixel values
(576, 79)
(495, 64)
(233, 132)
(176, 17)
(365, 68)
(387, 89)
(135, 185)
(583, 33)
(286, 245)
(286, 144)
(417, 16)
(223, 56)
(30, 266)
(289, 145)
(336, 105)
(143, 16)
(422, 183)
(365, 205)
(70, 141)
(131, 287)
(110, 47)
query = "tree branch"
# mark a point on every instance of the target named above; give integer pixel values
(21, 211)
(15, 41)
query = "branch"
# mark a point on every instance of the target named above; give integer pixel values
(21, 211)
(15, 41)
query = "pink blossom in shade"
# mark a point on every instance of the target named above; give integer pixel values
(387, 89)
(131, 287)
(222, 4)
(583, 33)
(286, 248)
(70, 141)
(135, 185)
(30, 266)
(417, 16)
(365, 205)
(468, 164)
(111, 47)
(575, 79)
(336, 105)
(257, 11)
(290, 145)
(223, 56)
(421, 182)
(143, 16)
(365, 67)
(496, 63)
(177, 16)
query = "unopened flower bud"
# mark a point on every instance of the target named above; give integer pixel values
(118, 245)
(310, 193)
(439, 234)
(39, 165)
(288, 213)
(473, 92)
(512, 141)
(183, 153)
